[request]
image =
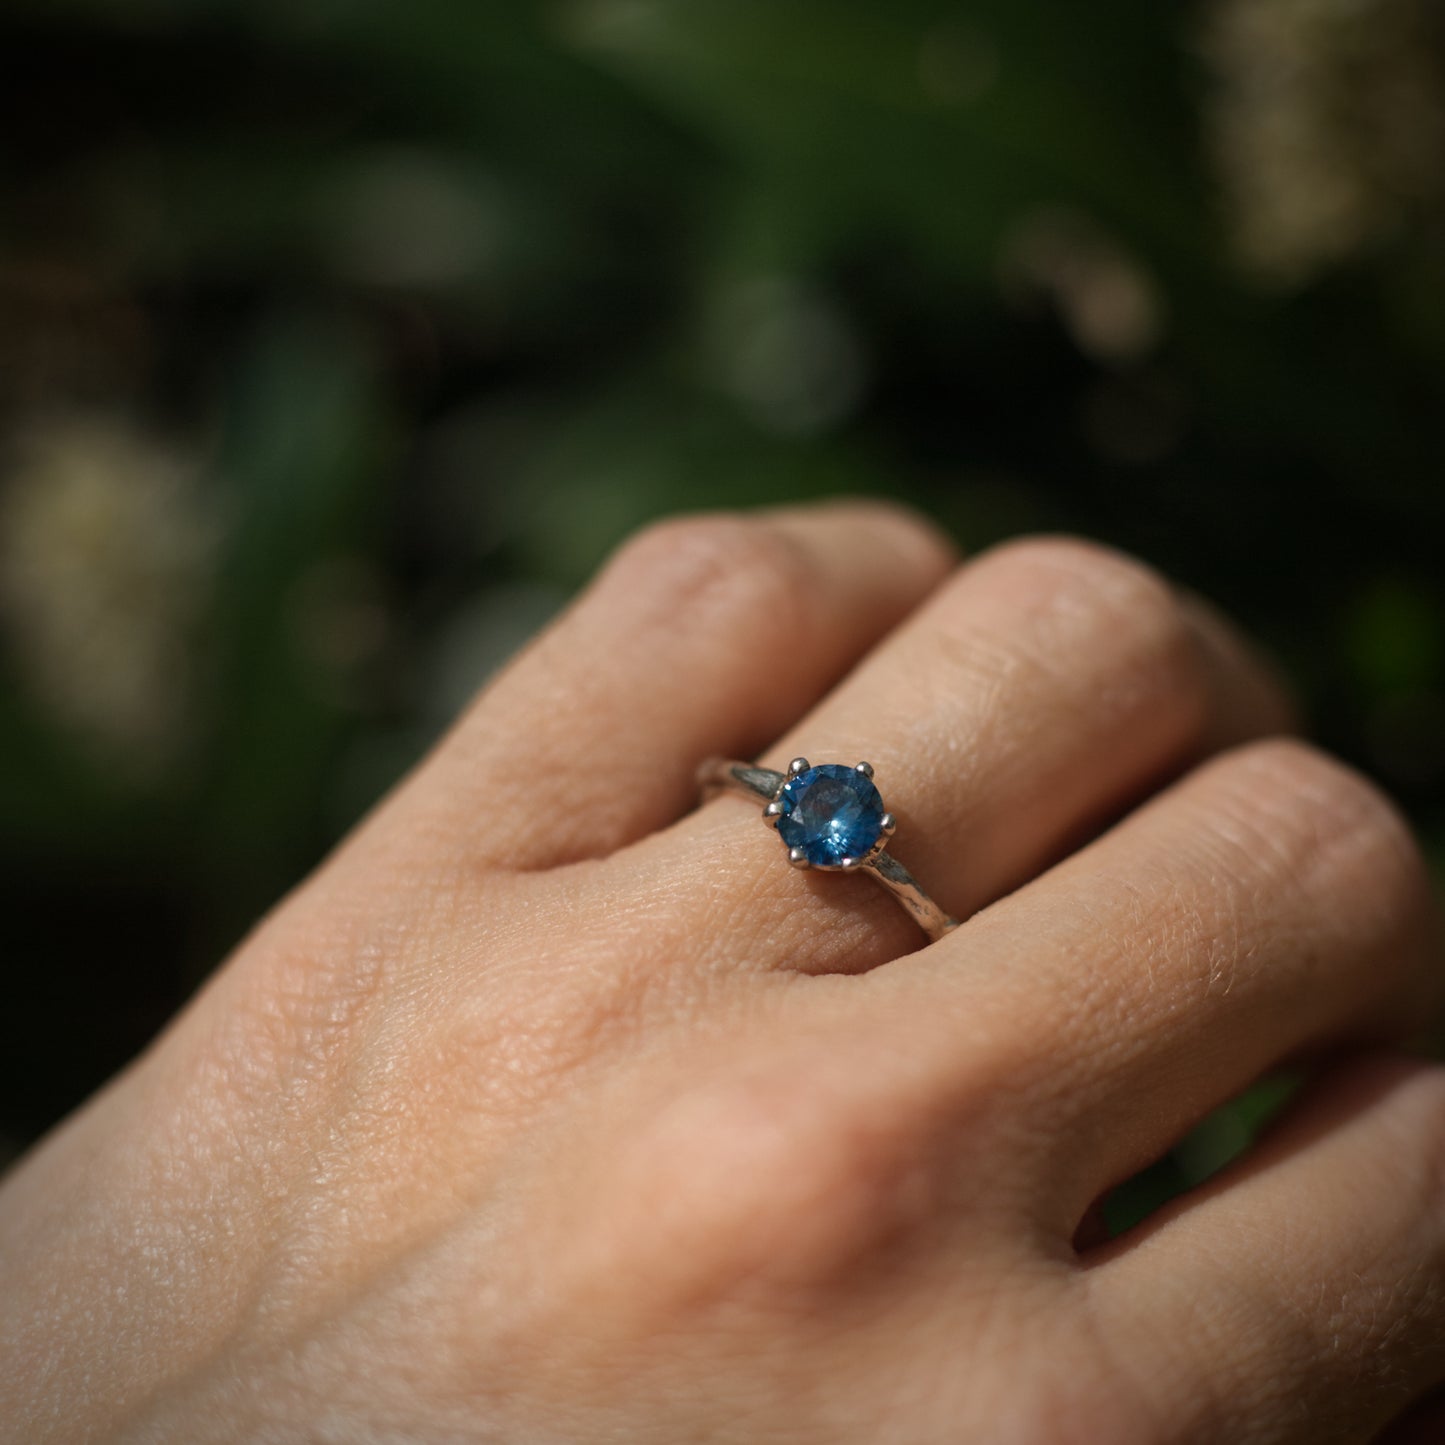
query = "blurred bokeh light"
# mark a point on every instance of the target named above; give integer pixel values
(338, 342)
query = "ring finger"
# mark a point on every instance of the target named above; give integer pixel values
(1042, 689)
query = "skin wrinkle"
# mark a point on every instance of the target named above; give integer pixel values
(1008, 673)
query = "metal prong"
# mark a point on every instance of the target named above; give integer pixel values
(865, 768)
(772, 813)
(798, 858)
(798, 765)
(887, 825)
(850, 865)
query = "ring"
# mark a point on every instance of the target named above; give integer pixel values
(831, 818)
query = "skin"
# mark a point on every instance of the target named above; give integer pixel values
(554, 1108)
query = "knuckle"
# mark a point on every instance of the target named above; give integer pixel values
(768, 1182)
(1078, 594)
(1092, 1413)
(720, 571)
(1074, 572)
(1064, 1410)
(1328, 822)
(1084, 1388)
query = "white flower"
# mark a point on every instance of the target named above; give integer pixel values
(105, 546)
(1326, 125)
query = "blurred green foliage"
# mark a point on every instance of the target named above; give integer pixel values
(338, 342)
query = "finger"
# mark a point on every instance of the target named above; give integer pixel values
(704, 634)
(1301, 1295)
(1270, 903)
(1046, 685)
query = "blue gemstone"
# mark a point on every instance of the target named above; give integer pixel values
(831, 812)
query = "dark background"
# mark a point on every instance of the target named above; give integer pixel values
(339, 341)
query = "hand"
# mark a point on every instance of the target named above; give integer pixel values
(555, 1109)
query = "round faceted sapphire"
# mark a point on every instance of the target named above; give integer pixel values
(831, 812)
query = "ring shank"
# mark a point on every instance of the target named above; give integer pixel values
(719, 775)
